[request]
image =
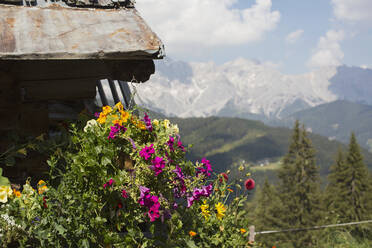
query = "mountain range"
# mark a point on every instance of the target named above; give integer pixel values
(259, 91)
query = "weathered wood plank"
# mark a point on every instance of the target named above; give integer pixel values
(33, 119)
(59, 89)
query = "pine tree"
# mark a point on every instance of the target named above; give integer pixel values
(299, 189)
(334, 192)
(267, 213)
(349, 190)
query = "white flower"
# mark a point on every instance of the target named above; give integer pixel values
(3, 197)
(175, 129)
(90, 124)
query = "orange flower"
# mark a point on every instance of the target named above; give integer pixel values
(230, 190)
(242, 230)
(17, 193)
(192, 233)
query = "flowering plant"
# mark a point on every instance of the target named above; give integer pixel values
(124, 181)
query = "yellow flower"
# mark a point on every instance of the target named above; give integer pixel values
(5, 192)
(205, 212)
(41, 182)
(241, 168)
(192, 233)
(6, 189)
(141, 125)
(155, 122)
(124, 115)
(102, 118)
(242, 230)
(42, 189)
(166, 123)
(221, 209)
(17, 193)
(106, 110)
(119, 106)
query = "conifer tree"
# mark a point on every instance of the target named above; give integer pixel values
(299, 189)
(334, 192)
(267, 215)
(349, 190)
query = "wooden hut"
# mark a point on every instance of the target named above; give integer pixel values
(53, 53)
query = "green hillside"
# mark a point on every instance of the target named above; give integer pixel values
(338, 119)
(228, 141)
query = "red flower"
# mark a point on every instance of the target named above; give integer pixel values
(44, 202)
(223, 176)
(120, 205)
(249, 184)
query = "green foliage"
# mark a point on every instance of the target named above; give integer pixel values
(299, 189)
(267, 214)
(231, 140)
(3, 180)
(104, 192)
(348, 191)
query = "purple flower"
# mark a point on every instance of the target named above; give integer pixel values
(147, 152)
(205, 169)
(180, 188)
(115, 129)
(179, 173)
(197, 193)
(133, 144)
(157, 165)
(96, 114)
(147, 121)
(149, 201)
(170, 143)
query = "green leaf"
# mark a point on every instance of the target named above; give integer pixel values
(9, 161)
(105, 161)
(191, 244)
(3, 180)
(60, 229)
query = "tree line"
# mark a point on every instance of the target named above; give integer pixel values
(298, 200)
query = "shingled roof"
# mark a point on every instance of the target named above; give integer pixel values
(75, 29)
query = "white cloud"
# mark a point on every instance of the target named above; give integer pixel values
(328, 51)
(203, 23)
(366, 66)
(352, 10)
(294, 36)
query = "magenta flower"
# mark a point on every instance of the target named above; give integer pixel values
(180, 146)
(96, 114)
(124, 194)
(157, 165)
(170, 143)
(109, 183)
(149, 201)
(147, 121)
(147, 152)
(115, 129)
(205, 169)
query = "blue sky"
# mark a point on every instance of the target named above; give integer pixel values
(325, 32)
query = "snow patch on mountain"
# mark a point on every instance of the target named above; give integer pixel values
(237, 88)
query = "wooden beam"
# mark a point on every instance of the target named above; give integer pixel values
(59, 89)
